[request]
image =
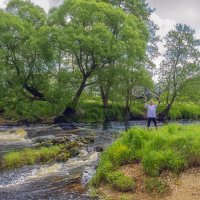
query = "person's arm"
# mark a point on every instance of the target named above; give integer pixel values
(158, 102)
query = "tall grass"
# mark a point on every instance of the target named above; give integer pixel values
(185, 111)
(173, 147)
(93, 111)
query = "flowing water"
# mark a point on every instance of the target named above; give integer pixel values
(58, 180)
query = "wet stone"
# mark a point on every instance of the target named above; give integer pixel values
(62, 157)
(74, 151)
(59, 140)
(99, 148)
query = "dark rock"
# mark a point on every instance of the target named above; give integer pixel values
(71, 145)
(59, 140)
(66, 139)
(46, 144)
(99, 148)
(62, 157)
(90, 139)
(41, 140)
(74, 151)
(83, 140)
(68, 126)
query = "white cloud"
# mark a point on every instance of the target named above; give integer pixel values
(45, 4)
(165, 25)
(2, 4)
(55, 3)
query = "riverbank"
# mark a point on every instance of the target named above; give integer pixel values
(141, 163)
(93, 112)
(184, 186)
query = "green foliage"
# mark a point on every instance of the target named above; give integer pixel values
(105, 166)
(31, 156)
(45, 59)
(157, 161)
(119, 154)
(179, 65)
(154, 185)
(93, 111)
(27, 11)
(173, 147)
(120, 182)
(184, 110)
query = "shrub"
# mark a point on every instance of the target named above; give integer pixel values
(105, 166)
(119, 153)
(123, 184)
(120, 182)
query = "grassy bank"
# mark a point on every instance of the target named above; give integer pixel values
(93, 111)
(29, 156)
(172, 148)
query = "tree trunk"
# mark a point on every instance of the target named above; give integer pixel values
(168, 107)
(71, 108)
(104, 97)
(127, 107)
(34, 91)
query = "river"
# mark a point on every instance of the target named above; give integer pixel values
(58, 180)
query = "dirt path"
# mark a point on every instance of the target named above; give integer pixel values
(185, 186)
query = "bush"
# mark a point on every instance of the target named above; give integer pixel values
(120, 182)
(119, 154)
(157, 161)
(105, 166)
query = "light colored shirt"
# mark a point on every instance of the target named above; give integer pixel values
(151, 110)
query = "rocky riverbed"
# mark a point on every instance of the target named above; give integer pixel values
(57, 180)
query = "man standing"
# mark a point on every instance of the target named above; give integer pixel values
(151, 112)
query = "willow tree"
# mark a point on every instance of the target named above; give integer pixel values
(97, 35)
(181, 62)
(107, 83)
(26, 47)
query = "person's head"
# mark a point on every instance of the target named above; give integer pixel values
(151, 102)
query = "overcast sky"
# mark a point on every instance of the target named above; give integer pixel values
(184, 11)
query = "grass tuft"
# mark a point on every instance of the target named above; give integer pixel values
(31, 156)
(120, 182)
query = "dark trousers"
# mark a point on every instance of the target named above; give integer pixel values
(149, 119)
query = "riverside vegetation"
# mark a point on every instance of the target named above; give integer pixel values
(173, 148)
(91, 110)
(81, 60)
(48, 151)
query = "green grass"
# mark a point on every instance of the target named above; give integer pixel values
(154, 185)
(93, 111)
(184, 111)
(172, 147)
(90, 109)
(120, 182)
(32, 156)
